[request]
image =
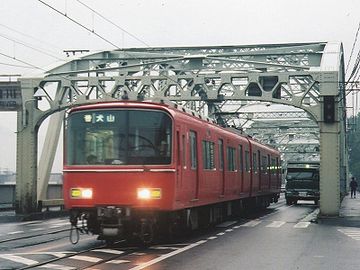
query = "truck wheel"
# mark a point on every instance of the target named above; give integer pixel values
(288, 201)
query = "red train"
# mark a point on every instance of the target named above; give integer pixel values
(140, 169)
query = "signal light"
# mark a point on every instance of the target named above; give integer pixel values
(329, 109)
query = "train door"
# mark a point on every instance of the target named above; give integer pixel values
(194, 166)
(241, 168)
(248, 169)
(179, 159)
(269, 170)
(253, 172)
(278, 173)
(255, 179)
(221, 167)
(259, 169)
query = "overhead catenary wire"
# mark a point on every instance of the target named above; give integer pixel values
(12, 65)
(21, 61)
(353, 47)
(31, 47)
(79, 24)
(114, 24)
(353, 78)
(355, 69)
(352, 84)
(92, 31)
(31, 37)
(88, 29)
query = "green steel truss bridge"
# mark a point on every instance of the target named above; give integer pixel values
(238, 86)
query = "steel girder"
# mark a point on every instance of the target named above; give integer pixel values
(210, 80)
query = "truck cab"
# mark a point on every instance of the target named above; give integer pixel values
(302, 182)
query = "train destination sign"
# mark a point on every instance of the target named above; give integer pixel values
(10, 96)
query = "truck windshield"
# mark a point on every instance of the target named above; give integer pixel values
(118, 137)
(302, 175)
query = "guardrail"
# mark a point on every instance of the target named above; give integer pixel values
(54, 195)
(49, 203)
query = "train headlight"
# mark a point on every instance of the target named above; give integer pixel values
(87, 193)
(148, 193)
(81, 193)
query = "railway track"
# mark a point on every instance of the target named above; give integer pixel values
(120, 252)
(33, 236)
(80, 253)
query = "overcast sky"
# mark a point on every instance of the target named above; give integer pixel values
(37, 35)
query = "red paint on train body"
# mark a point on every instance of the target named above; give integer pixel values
(161, 159)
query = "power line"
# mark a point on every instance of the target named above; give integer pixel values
(92, 31)
(355, 69)
(21, 61)
(81, 25)
(28, 46)
(356, 74)
(29, 36)
(353, 47)
(114, 24)
(11, 65)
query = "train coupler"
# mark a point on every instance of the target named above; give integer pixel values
(74, 220)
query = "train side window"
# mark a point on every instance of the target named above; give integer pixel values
(221, 154)
(255, 165)
(241, 162)
(193, 150)
(208, 155)
(230, 151)
(247, 161)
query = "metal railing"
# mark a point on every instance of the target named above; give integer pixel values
(8, 197)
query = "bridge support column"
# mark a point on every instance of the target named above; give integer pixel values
(26, 154)
(329, 169)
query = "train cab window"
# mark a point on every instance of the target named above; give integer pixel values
(193, 150)
(231, 161)
(118, 137)
(208, 155)
(247, 161)
(221, 154)
(241, 161)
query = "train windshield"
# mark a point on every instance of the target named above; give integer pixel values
(118, 137)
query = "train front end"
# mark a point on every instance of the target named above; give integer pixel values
(118, 171)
